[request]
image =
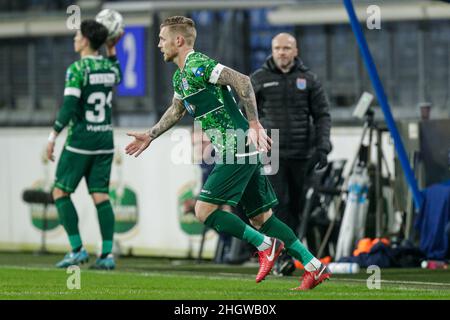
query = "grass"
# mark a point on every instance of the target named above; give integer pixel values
(27, 276)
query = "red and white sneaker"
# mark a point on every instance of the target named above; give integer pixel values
(311, 279)
(267, 258)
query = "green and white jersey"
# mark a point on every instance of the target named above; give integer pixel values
(212, 104)
(87, 105)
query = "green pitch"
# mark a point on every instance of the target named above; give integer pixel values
(27, 276)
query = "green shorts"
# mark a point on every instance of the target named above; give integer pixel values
(72, 167)
(239, 183)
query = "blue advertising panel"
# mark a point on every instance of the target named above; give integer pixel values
(131, 55)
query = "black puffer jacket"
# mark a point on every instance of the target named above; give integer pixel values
(288, 101)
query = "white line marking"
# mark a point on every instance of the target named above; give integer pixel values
(396, 281)
(195, 274)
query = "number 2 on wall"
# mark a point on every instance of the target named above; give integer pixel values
(129, 45)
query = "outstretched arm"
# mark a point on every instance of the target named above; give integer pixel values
(243, 87)
(142, 140)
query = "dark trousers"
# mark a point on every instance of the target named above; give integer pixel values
(289, 185)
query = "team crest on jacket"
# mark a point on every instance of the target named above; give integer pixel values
(185, 83)
(301, 83)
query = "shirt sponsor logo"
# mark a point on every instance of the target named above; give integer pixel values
(301, 83)
(102, 78)
(99, 128)
(270, 84)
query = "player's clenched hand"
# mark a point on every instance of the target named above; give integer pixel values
(258, 136)
(140, 143)
(50, 149)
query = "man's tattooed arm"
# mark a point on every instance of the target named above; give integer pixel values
(172, 115)
(243, 87)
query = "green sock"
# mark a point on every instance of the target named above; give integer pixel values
(106, 221)
(299, 251)
(274, 227)
(69, 219)
(231, 224)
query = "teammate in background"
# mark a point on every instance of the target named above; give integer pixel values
(201, 87)
(89, 148)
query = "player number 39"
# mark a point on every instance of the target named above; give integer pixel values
(100, 100)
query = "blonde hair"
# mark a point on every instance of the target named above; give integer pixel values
(183, 26)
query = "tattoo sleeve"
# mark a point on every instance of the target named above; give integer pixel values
(243, 87)
(172, 115)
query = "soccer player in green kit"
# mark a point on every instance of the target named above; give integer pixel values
(89, 148)
(201, 87)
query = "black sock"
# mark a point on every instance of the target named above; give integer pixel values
(77, 249)
(104, 255)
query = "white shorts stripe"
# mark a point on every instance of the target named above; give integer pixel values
(89, 152)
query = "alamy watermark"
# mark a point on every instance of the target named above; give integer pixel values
(374, 281)
(74, 280)
(73, 22)
(374, 17)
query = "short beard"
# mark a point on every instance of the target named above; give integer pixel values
(169, 58)
(286, 66)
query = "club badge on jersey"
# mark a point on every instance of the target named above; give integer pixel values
(198, 72)
(301, 83)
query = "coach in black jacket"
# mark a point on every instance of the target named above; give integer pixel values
(289, 96)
